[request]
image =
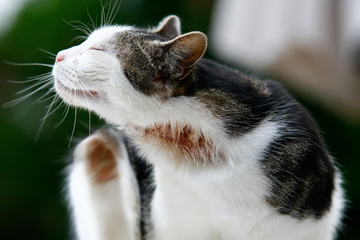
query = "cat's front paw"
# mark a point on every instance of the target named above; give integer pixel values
(100, 152)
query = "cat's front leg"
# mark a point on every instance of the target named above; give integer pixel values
(102, 190)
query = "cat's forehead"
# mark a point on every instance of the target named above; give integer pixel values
(115, 35)
(106, 33)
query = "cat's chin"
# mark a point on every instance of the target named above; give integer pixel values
(72, 94)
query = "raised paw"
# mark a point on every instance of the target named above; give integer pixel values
(101, 151)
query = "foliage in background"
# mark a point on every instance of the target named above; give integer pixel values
(32, 205)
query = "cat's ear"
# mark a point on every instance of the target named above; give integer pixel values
(184, 52)
(169, 27)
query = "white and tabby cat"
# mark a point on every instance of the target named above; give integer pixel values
(206, 153)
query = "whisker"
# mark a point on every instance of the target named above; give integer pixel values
(54, 110)
(29, 64)
(108, 13)
(32, 79)
(92, 21)
(102, 13)
(83, 29)
(27, 81)
(49, 107)
(35, 85)
(51, 57)
(77, 27)
(89, 123)
(45, 84)
(113, 15)
(73, 130)
(44, 119)
(66, 113)
(41, 78)
(49, 74)
(45, 51)
(41, 99)
(87, 90)
(103, 16)
(78, 38)
(23, 98)
(87, 102)
(84, 26)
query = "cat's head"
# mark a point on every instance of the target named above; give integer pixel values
(119, 68)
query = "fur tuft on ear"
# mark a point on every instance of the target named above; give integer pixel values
(169, 27)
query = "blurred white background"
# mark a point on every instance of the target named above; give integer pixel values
(313, 45)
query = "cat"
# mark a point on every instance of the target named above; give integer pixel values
(203, 151)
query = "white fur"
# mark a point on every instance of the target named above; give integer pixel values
(103, 211)
(229, 202)
(225, 201)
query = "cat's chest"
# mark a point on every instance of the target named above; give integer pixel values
(227, 179)
(208, 205)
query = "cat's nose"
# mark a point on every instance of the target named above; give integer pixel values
(60, 56)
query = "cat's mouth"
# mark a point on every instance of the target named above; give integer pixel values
(88, 94)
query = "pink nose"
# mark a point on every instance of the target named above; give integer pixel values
(60, 57)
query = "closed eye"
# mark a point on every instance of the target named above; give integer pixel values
(96, 49)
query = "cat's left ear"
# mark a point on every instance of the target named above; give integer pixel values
(169, 27)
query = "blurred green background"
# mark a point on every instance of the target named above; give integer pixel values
(32, 203)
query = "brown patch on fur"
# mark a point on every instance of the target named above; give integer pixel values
(101, 154)
(221, 104)
(260, 87)
(181, 140)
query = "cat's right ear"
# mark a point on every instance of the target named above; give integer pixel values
(183, 53)
(169, 27)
